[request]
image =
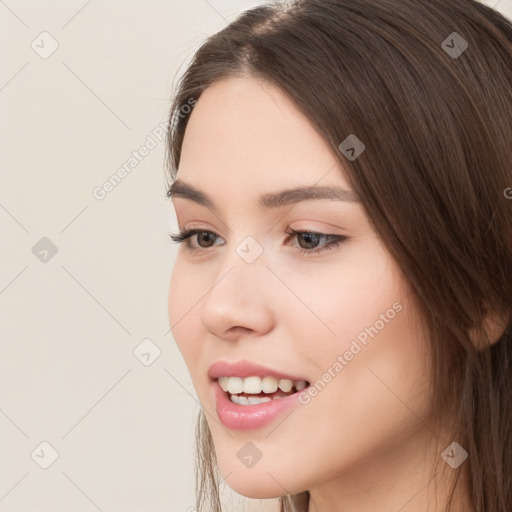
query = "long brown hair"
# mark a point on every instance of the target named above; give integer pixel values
(434, 110)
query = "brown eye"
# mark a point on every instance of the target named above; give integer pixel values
(311, 239)
(206, 239)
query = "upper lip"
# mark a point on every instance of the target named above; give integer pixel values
(246, 369)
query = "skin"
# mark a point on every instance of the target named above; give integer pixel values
(364, 443)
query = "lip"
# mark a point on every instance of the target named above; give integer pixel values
(246, 369)
(250, 417)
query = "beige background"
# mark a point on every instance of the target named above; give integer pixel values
(122, 426)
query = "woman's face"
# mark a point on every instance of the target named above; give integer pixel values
(340, 319)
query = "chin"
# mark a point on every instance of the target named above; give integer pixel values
(255, 485)
(259, 482)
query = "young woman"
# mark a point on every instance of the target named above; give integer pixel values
(343, 296)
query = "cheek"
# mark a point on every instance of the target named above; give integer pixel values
(351, 293)
(380, 387)
(176, 290)
(376, 358)
(182, 300)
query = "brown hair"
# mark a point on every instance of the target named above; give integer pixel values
(437, 127)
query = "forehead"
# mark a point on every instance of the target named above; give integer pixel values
(245, 133)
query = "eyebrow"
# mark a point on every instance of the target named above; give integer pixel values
(267, 201)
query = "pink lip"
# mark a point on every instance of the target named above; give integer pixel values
(249, 417)
(245, 369)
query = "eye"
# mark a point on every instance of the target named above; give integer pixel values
(185, 235)
(310, 238)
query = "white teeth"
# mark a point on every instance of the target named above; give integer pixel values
(285, 385)
(252, 385)
(257, 400)
(235, 385)
(250, 400)
(223, 381)
(300, 384)
(255, 385)
(269, 384)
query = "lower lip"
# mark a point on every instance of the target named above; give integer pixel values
(249, 417)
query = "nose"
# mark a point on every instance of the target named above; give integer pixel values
(239, 300)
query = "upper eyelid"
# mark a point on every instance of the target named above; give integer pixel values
(194, 231)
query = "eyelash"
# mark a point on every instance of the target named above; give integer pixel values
(184, 235)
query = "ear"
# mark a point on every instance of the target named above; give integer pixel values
(491, 330)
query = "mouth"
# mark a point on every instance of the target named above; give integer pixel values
(253, 402)
(249, 396)
(255, 390)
